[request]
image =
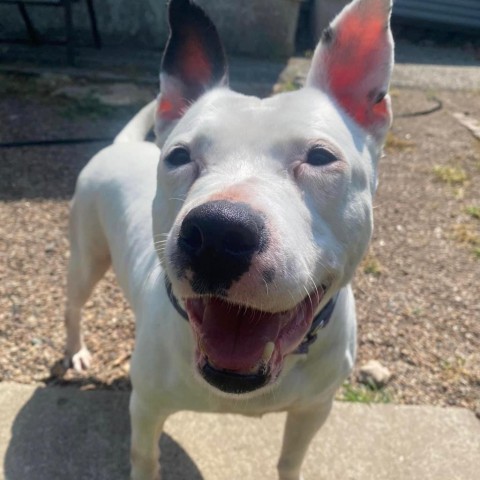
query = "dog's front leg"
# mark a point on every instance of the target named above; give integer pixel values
(300, 428)
(147, 425)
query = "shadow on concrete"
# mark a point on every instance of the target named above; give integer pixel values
(83, 435)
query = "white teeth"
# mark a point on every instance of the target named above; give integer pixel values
(268, 352)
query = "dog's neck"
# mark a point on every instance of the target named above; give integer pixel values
(320, 320)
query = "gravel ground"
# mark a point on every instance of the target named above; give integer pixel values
(417, 290)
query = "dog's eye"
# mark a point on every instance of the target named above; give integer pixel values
(319, 156)
(178, 157)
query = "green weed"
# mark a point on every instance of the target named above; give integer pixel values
(394, 143)
(372, 266)
(88, 106)
(363, 394)
(473, 211)
(450, 175)
(467, 234)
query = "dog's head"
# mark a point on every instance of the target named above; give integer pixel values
(264, 206)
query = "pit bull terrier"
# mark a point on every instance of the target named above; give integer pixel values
(236, 235)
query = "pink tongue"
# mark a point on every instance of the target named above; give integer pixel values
(234, 338)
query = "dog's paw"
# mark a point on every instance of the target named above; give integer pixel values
(290, 477)
(79, 361)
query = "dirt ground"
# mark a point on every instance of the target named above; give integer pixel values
(417, 291)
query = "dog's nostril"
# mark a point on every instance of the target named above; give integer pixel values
(217, 242)
(221, 235)
(190, 237)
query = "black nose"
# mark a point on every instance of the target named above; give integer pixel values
(221, 229)
(217, 241)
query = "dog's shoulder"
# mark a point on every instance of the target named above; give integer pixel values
(120, 166)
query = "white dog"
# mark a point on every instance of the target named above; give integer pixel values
(261, 210)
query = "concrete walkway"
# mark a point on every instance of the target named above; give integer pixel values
(65, 433)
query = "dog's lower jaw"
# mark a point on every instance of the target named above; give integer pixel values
(240, 350)
(234, 383)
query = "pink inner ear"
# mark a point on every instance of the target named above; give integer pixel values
(167, 110)
(194, 76)
(358, 50)
(195, 64)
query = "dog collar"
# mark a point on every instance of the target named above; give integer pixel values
(320, 321)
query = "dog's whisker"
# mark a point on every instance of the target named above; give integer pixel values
(157, 269)
(314, 286)
(161, 244)
(308, 296)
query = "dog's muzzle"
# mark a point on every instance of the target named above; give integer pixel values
(240, 349)
(217, 242)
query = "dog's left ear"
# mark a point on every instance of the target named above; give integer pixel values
(354, 61)
(193, 62)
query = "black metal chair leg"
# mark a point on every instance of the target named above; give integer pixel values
(93, 22)
(69, 32)
(32, 33)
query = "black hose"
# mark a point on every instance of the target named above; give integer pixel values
(438, 106)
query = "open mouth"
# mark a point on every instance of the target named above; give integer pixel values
(241, 349)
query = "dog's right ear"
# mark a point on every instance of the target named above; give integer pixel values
(193, 62)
